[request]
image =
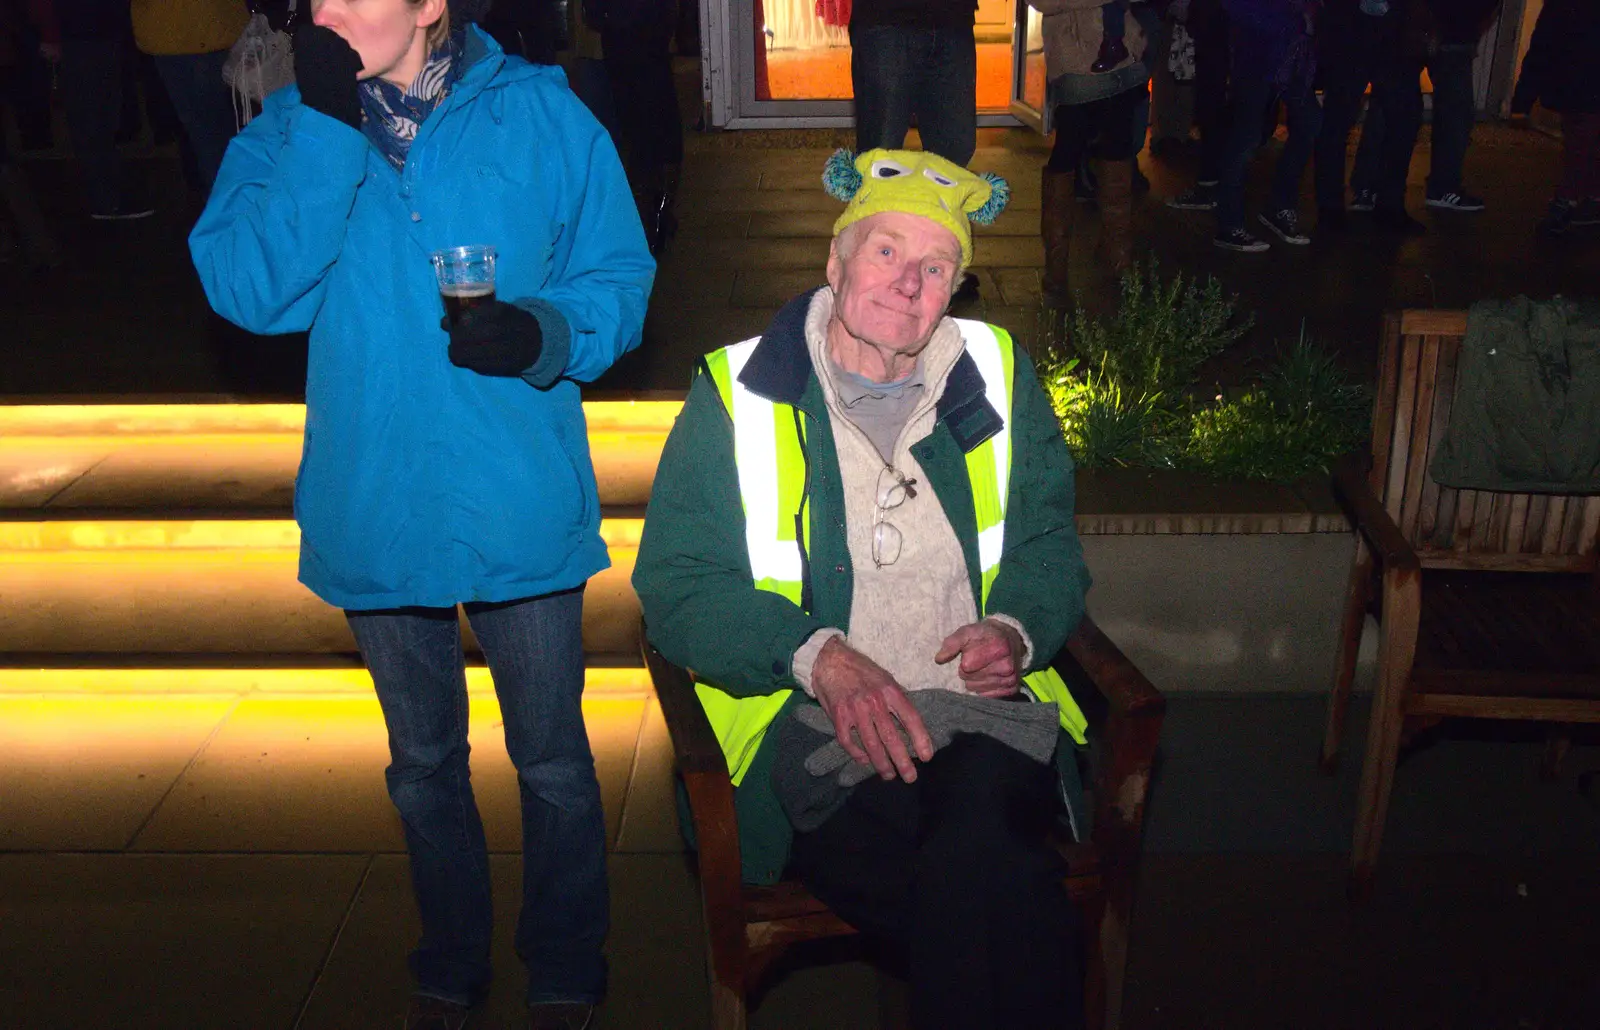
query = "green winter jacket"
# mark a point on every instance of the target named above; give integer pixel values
(693, 574)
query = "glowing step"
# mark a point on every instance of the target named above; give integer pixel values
(215, 587)
(309, 684)
(239, 457)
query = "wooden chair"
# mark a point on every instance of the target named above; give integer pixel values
(748, 927)
(1465, 629)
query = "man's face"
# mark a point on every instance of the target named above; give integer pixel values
(895, 282)
(381, 31)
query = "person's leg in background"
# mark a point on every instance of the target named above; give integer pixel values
(534, 648)
(881, 74)
(1577, 199)
(1282, 215)
(29, 86)
(1397, 89)
(1112, 130)
(1058, 208)
(1345, 77)
(91, 93)
(415, 658)
(20, 217)
(945, 94)
(1249, 96)
(204, 104)
(1208, 25)
(639, 62)
(1454, 111)
(1368, 167)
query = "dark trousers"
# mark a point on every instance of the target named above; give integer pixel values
(1580, 156)
(1106, 123)
(1454, 111)
(1250, 98)
(91, 93)
(900, 71)
(535, 652)
(955, 868)
(204, 104)
(639, 64)
(1208, 25)
(1396, 94)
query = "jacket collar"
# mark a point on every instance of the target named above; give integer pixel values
(779, 369)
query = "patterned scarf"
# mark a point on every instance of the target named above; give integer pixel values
(393, 115)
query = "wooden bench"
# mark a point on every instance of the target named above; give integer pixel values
(1465, 629)
(748, 927)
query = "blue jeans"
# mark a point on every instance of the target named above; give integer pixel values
(1250, 98)
(898, 71)
(535, 653)
(204, 104)
(1396, 93)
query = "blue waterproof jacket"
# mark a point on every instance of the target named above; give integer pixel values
(422, 483)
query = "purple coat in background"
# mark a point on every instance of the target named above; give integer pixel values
(1274, 39)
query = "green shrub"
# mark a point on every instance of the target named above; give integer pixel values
(1162, 332)
(1105, 424)
(1303, 414)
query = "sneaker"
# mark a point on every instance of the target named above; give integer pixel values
(1559, 218)
(1286, 224)
(1456, 202)
(560, 1016)
(1587, 212)
(1198, 199)
(1364, 200)
(1398, 221)
(429, 1013)
(1238, 239)
(124, 212)
(1208, 184)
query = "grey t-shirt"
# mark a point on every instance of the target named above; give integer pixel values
(880, 410)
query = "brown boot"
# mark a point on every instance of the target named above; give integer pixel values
(1116, 215)
(1057, 209)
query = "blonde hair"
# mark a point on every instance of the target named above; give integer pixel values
(439, 31)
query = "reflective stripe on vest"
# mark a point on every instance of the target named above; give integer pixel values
(771, 463)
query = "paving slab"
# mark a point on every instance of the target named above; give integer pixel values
(169, 942)
(306, 775)
(84, 773)
(650, 814)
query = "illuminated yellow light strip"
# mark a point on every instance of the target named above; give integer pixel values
(71, 421)
(236, 539)
(301, 683)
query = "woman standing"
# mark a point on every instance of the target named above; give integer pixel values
(1089, 106)
(448, 465)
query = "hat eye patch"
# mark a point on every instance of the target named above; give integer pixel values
(936, 177)
(883, 168)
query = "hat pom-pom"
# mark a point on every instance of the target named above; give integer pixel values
(999, 197)
(840, 177)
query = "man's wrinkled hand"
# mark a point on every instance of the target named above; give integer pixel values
(868, 709)
(991, 657)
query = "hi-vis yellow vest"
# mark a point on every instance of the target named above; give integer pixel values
(769, 451)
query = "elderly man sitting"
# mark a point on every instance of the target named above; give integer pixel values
(869, 509)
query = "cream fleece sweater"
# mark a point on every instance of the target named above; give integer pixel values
(900, 614)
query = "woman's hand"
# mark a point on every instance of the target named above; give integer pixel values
(325, 68)
(495, 339)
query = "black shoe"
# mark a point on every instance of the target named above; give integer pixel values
(1587, 212)
(1201, 198)
(125, 211)
(1559, 219)
(1399, 222)
(1364, 201)
(1332, 218)
(1113, 52)
(1241, 241)
(1286, 224)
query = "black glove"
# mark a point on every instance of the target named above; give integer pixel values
(497, 339)
(325, 67)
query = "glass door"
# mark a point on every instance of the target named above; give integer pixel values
(1028, 77)
(786, 63)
